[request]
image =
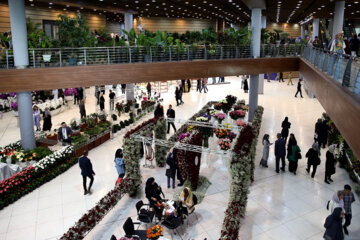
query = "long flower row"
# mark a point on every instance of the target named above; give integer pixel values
(241, 175)
(48, 161)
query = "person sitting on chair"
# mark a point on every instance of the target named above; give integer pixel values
(153, 192)
(186, 198)
(64, 134)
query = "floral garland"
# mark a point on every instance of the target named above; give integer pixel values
(241, 175)
(160, 151)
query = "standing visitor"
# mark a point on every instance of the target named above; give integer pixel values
(189, 84)
(76, 96)
(119, 163)
(81, 94)
(64, 134)
(183, 85)
(246, 86)
(198, 86)
(330, 164)
(348, 198)
(290, 80)
(242, 81)
(82, 109)
(102, 102)
(148, 88)
(336, 201)
(323, 133)
(123, 87)
(333, 225)
(86, 171)
(285, 125)
(204, 85)
(313, 160)
(280, 152)
(170, 169)
(47, 120)
(177, 96)
(112, 100)
(293, 154)
(317, 130)
(316, 43)
(177, 165)
(281, 77)
(338, 45)
(299, 89)
(181, 94)
(266, 143)
(97, 95)
(55, 93)
(354, 49)
(171, 117)
(159, 111)
(36, 117)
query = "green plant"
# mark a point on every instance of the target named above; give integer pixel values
(90, 122)
(114, 117)
(74, 125)
(131, 36)
(122, 124)
(136, 105)
(127, 123)
(127, 108)
(79, 139)
(277, 32)
(102, 117)
(36, 36)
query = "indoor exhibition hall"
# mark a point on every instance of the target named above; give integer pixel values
(179, 120)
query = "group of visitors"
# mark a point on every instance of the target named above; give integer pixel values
(339, 220)
(201, 85)
(47, 124)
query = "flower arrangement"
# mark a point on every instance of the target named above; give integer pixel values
(183, 135)
(231, 136)
(213, 112)
(202, 119)
(70, 92)
(221, 133)
(218, 106)
(205, 115)
(190, 129)
(154, 232)
(240, 123)
(220, 117)
(59, 155)
(228, 125)
(236, 114)
(231, 99)
(225, 144)
(14, 106)
(119, 108)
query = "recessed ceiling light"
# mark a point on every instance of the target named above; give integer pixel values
(50, 3)
(67, 6)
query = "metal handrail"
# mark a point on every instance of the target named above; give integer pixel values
(61, 57)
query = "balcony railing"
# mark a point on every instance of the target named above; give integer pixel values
(341, 67)
(61, 57)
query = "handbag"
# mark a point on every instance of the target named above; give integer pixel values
(298, 155)
(168, 173)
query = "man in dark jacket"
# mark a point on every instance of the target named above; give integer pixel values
(313, 160)
(64, 134)
(82, 109)
(280, 152)
(171, 117)
(299, 89)
(86, 171)
(198, 86)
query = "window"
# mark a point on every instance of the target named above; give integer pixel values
(51, 29)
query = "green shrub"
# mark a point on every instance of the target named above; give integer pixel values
(127, 109)
(122, 124)
(127, 123)
(114, 117)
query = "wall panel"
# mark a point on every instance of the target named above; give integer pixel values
(293, 29)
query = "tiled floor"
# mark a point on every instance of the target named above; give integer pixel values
(280, 206)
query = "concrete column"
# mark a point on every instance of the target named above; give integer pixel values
(338, 18)
(263, 22)
(128, 21)
(261, 84)
(255, 51)
(316, 24)
(302, 31)
(21, 60)
(130, 94)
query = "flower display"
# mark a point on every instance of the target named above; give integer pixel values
(232, 136)
(213, 112)
(240, 123)
(218, 106)
(221, 133)
(183, 135)
(191, 128)
(225, 144)
(154, 232)
(220, 116)
(70, 92)
(236, 114)
(202, 119)
(231, 99)
(46, 162)
(14, 106)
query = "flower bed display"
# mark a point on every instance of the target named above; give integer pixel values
(224, 144)
(241, 174)
(236, 114)
(34, 176)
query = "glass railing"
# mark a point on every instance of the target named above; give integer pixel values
(341, 67)
(61, 57)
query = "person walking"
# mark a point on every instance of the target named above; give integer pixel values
(299, 89)
(102, 102)
(336, 201)
(177, 96)
(112, 100)
(313, 160)
(170, 169)
(148, 88)
(323, 133)
(281, 77)
(36, 113)
(293, 154)
(183, 86)
(204, 85)
(330, 164)
(82, 109)
(333, 225)
(266, 143)
(97, 94)
(246, 86)
(317, 129)
(123, 87)
(242, 81)
(171, 117)
(64, 134)
(280, 152)
(198, 86)
(290, 80)
(47, 120)
(119, 163)
(86, 171)
(189, 85)
(76, 96)
(81, 94)
(181, 95)
(285, 125)
(354, 49)
(348, 198)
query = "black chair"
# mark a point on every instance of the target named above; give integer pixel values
(113, 237)
(173, 224)
(131, 232)
(144, 214)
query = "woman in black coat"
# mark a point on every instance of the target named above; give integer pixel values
(47, 120)
(152, 191)
(102, 102)
(285, 128)
(246, 85)
(313, 160)
(171, 170)
(330, 164)
(177, 96)
(323, 134)
(333, 225)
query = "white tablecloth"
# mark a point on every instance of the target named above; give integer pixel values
(7, 170)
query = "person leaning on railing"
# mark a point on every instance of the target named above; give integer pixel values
(338, 45)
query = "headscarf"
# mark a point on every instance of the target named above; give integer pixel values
(316, 147)
(336, 214)
(265, 138)
(189, 199)
(119, 153)
(339, 202)
(332, 148)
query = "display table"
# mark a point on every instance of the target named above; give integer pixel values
(8, 170)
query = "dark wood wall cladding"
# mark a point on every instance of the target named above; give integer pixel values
(51, 78)
(342, 105)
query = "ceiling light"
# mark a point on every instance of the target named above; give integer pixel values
(67, 6)
(50, 3)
